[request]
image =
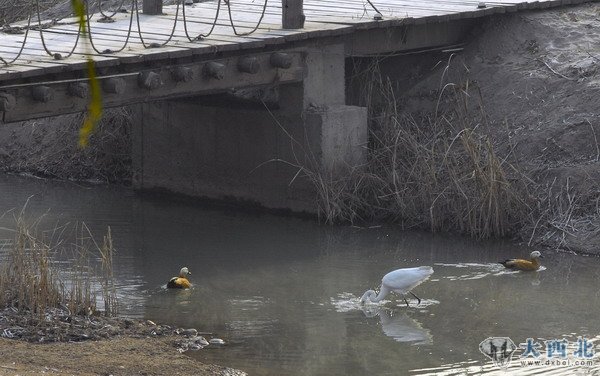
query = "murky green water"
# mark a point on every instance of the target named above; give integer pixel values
(283, 292)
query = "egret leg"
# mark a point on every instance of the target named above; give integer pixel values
(405, 301)
(418, 299)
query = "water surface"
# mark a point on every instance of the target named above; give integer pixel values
(283, 292)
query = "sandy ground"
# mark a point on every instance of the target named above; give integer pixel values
(60, 343)
(118, 356)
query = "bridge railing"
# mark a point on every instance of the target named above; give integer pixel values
(41, 40)
(292, 16)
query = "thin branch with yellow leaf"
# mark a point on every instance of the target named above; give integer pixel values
(94, 112)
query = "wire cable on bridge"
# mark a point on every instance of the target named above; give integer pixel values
(5, 62)
(134, 9)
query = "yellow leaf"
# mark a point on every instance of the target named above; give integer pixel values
(94, 112)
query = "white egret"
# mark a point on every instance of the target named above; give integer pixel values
(182, 281)
(400, 281)
(528, 265)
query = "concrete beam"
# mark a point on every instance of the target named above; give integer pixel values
(339, 136)
(325, 76)
(407, 37)
(164, 83)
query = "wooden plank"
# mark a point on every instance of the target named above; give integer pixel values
(352, 14)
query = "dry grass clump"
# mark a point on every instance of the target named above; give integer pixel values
(48, 148)
(437, 172)
(27, 281)
(340, 197)
(566, 219)
(31, 282)
(440, 172)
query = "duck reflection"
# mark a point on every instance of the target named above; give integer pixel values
(399, 326)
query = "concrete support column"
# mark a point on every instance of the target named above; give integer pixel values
(241, 151)
(337, 133)
(324, 83)
(339, 136)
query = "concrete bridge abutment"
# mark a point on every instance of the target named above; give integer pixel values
(252, 151)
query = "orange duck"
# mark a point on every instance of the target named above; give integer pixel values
(528, 265)
(182, 281)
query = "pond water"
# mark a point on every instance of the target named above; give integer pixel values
(283, 292)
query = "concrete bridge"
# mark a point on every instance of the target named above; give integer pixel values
(233, 99)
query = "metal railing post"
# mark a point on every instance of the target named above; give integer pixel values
(292, 14)
(152, 7)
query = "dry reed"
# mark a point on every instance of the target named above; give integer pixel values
(27, 281)
(565, 218)
(437, 172)
(31, 282)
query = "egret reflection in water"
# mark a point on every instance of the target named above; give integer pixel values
(399, 326)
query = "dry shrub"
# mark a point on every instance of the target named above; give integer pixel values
(27, 281)
(31, 282)
(48, 148)
(339, 197)
(566, 219)
(437, 172)
(440, 172)
(108, 156)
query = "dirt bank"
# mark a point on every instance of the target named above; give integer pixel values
(60, 343)
(536, 75)
(48, 148)
(117, 356)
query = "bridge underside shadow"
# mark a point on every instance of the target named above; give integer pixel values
(274, 153)
(201, 130)
(265, 151)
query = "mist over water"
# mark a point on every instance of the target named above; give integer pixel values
(283, 292)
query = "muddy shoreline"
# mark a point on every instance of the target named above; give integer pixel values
(33, 343)
(122, 356)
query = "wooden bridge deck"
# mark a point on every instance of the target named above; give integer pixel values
(323, 19)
